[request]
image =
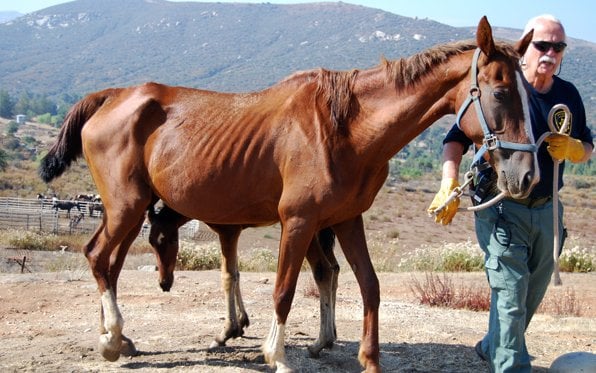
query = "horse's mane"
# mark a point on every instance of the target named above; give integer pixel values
(336, 87)
(406, 72)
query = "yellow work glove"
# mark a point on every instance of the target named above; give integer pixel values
(445, 215)
(563, 147)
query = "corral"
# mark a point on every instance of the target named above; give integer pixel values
(40, 215)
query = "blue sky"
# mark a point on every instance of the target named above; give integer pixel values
(576, 15)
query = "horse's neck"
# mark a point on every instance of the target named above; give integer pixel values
(391, 117)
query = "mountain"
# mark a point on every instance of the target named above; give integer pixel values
(86, 45)
(6, 16)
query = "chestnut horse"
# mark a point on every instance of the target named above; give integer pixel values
(310, 152)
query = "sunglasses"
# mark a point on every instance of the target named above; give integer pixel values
(544, 46)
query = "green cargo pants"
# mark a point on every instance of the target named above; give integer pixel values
(518, 244)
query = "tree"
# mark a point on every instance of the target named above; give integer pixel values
(6, 105)
(12, 127)
(3, 160)
(23, 104)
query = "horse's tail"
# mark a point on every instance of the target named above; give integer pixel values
(69, 146)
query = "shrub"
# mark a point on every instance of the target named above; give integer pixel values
(577, 260)
(440, 292)
(449, 257)
(27, 240)
(566, 304)
(198, 257)
(260, 260)
(462, 261)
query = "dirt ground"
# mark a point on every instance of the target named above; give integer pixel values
(49, 323)
(49, 320)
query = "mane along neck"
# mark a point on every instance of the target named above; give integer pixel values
(336, 88)
(406, 72)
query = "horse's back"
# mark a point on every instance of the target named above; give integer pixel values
(196, 147)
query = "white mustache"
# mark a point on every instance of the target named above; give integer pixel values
(547, 59)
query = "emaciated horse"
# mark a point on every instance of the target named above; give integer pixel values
(310, 152)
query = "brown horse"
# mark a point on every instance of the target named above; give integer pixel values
(310, 152)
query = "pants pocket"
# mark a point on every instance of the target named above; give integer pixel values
(506, 263)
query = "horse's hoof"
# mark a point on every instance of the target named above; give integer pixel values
(216, 344)
(108, 354)
(238, 333)
(313, 353)
(128, 347)
(282, 367)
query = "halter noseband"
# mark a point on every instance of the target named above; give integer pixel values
(490, 141)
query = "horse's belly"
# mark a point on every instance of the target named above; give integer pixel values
(220, 201)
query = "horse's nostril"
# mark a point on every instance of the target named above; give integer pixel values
(527, 182)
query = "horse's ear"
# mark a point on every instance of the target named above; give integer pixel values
(522, 45)
(484, 37)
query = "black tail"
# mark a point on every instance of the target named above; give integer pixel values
(69, 147)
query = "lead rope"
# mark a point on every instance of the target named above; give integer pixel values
(556, 236)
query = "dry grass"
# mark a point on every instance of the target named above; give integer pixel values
(440, 291)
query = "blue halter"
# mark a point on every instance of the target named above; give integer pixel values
(490, 141)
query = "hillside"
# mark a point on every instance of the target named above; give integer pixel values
(86, 45)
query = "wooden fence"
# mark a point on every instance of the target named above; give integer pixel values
(39, 215)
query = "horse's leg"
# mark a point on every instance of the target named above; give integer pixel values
(325, 270)
(116, 263)
(163, 237)
(236, 316)
(353, 243)
(296, 237)
(114, 230)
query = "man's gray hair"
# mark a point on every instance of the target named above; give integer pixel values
(543, 17)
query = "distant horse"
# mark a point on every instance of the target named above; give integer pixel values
(94, 207)
(45, 201)
(88, 197)
(65, 205)
(310, 152)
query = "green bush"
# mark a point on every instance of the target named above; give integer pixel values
(198, 257)
(260, 260)
(450, 257)
(27, 240)
(577, 260)
(462, 261)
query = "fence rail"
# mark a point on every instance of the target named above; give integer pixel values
(39, 215)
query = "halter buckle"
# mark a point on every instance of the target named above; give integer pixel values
(491, 142)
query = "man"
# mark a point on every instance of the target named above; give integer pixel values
(517, 235)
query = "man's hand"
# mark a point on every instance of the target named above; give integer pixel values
(563, 147)
(446, 214)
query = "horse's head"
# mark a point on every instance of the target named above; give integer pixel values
(494, 112)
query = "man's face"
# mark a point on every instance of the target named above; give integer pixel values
(545, 53)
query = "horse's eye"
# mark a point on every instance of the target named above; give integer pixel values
(500, 95)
